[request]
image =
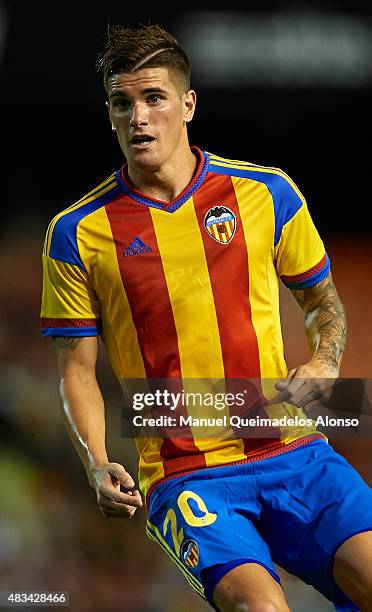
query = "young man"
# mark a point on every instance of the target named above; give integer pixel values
(174, 260)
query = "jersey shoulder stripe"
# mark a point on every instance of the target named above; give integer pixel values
(236, 163)
(108, 183)
(286, 197)
(61, 243)
(309, 278)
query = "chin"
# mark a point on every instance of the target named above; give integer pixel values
(145, 160)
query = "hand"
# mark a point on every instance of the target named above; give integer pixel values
(106, 480)
(309, 386)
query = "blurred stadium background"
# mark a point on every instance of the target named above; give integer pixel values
(280, 83)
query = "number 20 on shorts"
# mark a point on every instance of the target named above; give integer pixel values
(207, 518)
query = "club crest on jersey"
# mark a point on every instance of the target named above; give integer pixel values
(189, 553)
(220, 223)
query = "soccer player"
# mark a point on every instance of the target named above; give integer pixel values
(174, 261)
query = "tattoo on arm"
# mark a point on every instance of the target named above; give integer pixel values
(325, 321)
(65, 342)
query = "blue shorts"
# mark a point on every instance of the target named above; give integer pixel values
(294, 509)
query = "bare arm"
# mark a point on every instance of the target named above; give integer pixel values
(311, 384)
(325, 323)
(84, 414)
(82, 402)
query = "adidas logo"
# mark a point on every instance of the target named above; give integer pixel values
(136, 247)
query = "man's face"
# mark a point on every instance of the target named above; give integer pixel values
(149, 115)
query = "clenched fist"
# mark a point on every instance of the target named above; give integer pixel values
(106, 480)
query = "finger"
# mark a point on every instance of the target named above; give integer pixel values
(119, 473)
(314, 409)
(135, 499)
(130, 498)
(123, 498)
(316, 391)
(136, 494)
(282, 384)
(305, 400)
(307, 393)
(286, 394)
(110, 513)
(112, 506)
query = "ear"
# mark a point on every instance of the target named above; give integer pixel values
(189, 104)
(109, 114)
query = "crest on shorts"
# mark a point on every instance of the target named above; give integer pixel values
(220, 223)
(189, 553)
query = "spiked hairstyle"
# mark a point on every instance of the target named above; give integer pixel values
(129, 49)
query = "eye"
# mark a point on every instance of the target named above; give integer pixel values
(154, 98)
(121, 104)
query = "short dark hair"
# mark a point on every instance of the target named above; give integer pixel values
(126, 49)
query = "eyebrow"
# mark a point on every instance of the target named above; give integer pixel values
(148, 90)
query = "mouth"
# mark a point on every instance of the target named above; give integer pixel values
(141, 142)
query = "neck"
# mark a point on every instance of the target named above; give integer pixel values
(167, 182)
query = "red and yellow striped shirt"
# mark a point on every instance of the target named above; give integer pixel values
(186, 290)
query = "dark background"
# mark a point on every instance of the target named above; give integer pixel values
(57, 143)
(305, 114)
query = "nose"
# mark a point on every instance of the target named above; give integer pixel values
(139, 115)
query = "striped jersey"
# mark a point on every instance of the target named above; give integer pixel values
(186, 290)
